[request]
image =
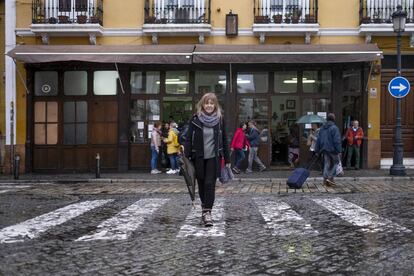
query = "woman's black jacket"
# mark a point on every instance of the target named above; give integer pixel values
(194, 145)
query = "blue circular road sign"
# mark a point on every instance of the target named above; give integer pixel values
(399, 87)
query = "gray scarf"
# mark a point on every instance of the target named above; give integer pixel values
(208, 120)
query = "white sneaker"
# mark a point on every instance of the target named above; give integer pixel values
(158, 171)
(154, 172)
(171, 171)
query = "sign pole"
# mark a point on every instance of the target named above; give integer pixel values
(397, 167)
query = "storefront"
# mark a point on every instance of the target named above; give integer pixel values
(85, 100)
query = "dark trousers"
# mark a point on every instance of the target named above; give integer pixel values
(353, 149)
(207, 185)
(239, 157)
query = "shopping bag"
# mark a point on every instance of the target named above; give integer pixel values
(226, 174)
(339, 169)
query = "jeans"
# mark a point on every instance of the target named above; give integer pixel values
(253, 156)
(331, 160)
(207, 185)
(173, 161)
(351, 150)
(154, 158)
(239, 157)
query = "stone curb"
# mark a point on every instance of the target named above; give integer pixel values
(180, 180)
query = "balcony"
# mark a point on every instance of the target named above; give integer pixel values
(375, 18)
(177, 18)
(285, 18)
(68, 18)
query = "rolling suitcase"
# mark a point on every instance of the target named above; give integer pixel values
(299, 175)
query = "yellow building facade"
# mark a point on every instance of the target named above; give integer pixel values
(92, 76)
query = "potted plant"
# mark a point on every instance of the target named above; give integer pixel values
(150, 19)
(309, 18)
(277, 18)
(163, 20)
(366, 20)
(377, 18)
(81, 19)
(94, 19)
(288, 17)
(295, 16)
(261, 19)
(52, 20)
(63, 19)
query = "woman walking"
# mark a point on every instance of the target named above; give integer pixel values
(205, 146)
(239, 144)
(155, 147)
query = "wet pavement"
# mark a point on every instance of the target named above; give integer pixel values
(362, 226)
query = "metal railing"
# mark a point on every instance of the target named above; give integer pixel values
(67, 11)
(380, 11)
(177, 11)
(285, 11)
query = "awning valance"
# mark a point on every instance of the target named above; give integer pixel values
(188, 54)
(286, 53)
(140, 54)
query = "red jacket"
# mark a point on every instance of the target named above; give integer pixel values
(359, 135)
(239, 140)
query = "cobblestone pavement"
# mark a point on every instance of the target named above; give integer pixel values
(359, 227)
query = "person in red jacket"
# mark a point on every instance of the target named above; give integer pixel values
(239, 144)
(354, 136)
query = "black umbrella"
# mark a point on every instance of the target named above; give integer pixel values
(188, 171)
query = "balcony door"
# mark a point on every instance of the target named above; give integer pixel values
(179, 11)
(69, 8)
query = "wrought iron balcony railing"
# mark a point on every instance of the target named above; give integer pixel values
(67, 11)
(375, 11)
(285, 11)
(177, 11)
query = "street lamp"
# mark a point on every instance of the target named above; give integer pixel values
(398, 21)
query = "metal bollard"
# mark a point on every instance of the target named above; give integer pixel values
(16, 166)
(98, 166)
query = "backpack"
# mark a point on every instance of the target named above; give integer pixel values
(182, 136)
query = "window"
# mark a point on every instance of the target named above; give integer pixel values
(286, 82)
(210, 81)
(253, 109)
(316, 105)
(145, 82)
(176, 82)
(46, 83)
(143, 114)
(352, 80)
(75, 83)
(105, 82)
(45, 123)
(75, 123)
(256, 82)
(317, 81)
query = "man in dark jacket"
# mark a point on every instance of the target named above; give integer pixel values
(329, 144)
(253, 135)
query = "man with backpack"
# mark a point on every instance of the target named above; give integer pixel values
(329, 144)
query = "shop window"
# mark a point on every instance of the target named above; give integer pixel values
(45, 123)
(143, 114)
(352, 80)
(75, 83)
(317, 81)
(176, 82)
(46, 83)
(210, 81)
(145, 82)
(286, 82)
(105, 82)
(351, 110)
(257, 110)
(255, 82)
(75, 123)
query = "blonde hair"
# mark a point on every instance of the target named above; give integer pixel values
(207, 97)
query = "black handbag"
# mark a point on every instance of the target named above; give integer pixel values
(165, 162)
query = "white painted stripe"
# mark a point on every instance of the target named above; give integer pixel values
(290, 53)
(102, 54)
(4, 191)
(34, 227)
(121, 226)
(13, 186)
(282, 219)
(193, 227)
(359, 216)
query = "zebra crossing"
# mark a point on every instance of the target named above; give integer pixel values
(279, 217)
(11, 187)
